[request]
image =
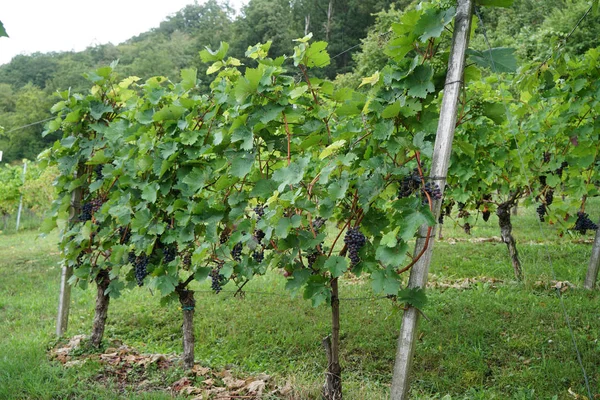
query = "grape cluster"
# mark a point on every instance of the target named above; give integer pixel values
(542, 179)
(486, 214)
(259, 210)
(467, 228)
(318, 223)
(546, 157)
(541, 211)
(259, 256)
(124, 234)
(131, 257)
(355, 240)
(433, 190)
(86, 212)
(98, 172)
(476, 107)
(140, 263)
(560, 169)
(584, 223)
(259, 235)
(187, 260)
(549, 196)
(217, 279)
(169, 253)
(224, 236)
(312, 257)
(236, 252)
(409, 184)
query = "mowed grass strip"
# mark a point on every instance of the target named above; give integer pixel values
(494, 340)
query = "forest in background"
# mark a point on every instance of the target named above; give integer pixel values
(355, 30)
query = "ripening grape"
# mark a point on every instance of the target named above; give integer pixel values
(169, 253)
(433, 190)
(259, 210)
(584, 223)
(86, 212)
(354, 241)
(486, 214)
(258, 256)
(541, 211)
(217, 279)
(140, 264)
(259, 235)
(409, 184)
(467, 228)
(187, 260)
(98, 172)
(236, 252)
(549, 197)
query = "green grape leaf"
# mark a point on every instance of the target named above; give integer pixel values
(188, 78)
(416, 297)
(499, 59)
(393, 257)
(207, 55)
(166, 284)
(291, 174)
(419, 81)
(336, 265)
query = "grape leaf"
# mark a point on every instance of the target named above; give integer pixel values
(336, 265)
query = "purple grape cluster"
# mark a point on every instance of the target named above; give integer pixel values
(409, 184)
(236, 252)
(169, 253)
(217, 279)
(318, 223)
(486, 214)
(259, 256)
(354, 240)
(433, 190)
(541, 211)
(259, 210)
(467, 228)
(98, 172)
(584, 223)
(187, 260)
(140, 265)
(259, 235)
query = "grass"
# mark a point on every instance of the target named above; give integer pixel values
(503, 340)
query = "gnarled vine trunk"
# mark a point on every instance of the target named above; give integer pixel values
(101, 311)
(592, 272)
(504, 215)
(186, 298)
(332, 389)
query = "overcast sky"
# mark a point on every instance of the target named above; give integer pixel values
(64, 25)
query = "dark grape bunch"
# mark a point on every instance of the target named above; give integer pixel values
(433, 190)
(258, 255)
(187, 260)
(259, 210)
(259, 235)
(486, 214)
(86, 212)
(236, 252)
(318, 223)
(140, 263)
(355, 240)
(98, 172)
(549, 197)
(88, 209)
(124, 234)
(584, 223)
(467, 228)
(542, 179)
(217, 279)
(541, 211)
(312, 257)
(560, 169)
(224, 236)
(131, 257)
(547, 157)
(169, 253)
(409, 184)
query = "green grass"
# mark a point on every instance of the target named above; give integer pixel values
(505, 340)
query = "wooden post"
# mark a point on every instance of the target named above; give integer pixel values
(64, 299)
(439, 169)
(592, 272)
(21, 199)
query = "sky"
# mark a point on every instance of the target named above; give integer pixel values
(65, 25)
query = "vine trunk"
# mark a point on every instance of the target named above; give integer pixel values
(504, 215)
(186, 298)
(332, 389)
(101, 311)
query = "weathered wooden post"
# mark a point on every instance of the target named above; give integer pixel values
(439, 169)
